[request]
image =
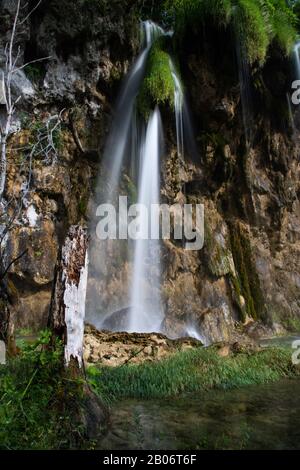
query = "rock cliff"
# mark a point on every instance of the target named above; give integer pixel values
(246, 279)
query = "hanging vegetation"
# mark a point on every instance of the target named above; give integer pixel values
(158, 84)
(258, 23)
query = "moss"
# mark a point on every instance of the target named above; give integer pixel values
(196, 370)
(249, 284)
(257, 23)
(158, 85)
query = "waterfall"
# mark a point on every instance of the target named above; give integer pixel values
(125, 275)
(179, 106)
(296, 55)
(123, 150)
(146, 313)
(245, 87)
(184, 130)
(125, 124)
(291, 114)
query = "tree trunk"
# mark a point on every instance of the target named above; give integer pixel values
(67, 310)
(6, 323)
(4, 315)
(3, 165)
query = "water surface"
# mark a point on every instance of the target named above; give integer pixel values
(254, 417)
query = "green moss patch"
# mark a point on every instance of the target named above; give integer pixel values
(158, 84)
(247, 283)
(257, 23)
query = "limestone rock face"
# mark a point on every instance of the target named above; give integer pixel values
(247, 274)
(90, 46)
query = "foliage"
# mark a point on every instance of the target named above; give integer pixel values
(46, 138)
(196, 370)
(257, 23)
(158, 84)
(39, 399)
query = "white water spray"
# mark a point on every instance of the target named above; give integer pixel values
(125, 123)
(179, 106)
(132, 144)
(146, 312)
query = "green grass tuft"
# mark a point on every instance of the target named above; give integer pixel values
(191, 371)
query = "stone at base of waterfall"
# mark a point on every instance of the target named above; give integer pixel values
(115, 349)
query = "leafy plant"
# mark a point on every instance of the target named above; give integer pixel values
(39, 400)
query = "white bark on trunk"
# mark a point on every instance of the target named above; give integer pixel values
(74, 300)
(67, 311)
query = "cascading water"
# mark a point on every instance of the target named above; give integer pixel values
(123, 149)
(296, 55)
(291, 114)
(146, 312)
(293, 117)
(184, 132)
(125, 123)
(179, 106)
(134, 266)
(246, 98)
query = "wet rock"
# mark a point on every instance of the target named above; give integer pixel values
(216, 324)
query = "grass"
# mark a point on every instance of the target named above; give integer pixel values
(193, 371)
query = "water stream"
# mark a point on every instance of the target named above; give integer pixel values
(146, 313)
(133, 154)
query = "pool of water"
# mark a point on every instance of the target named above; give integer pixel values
(255, 417)
(281, 341)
